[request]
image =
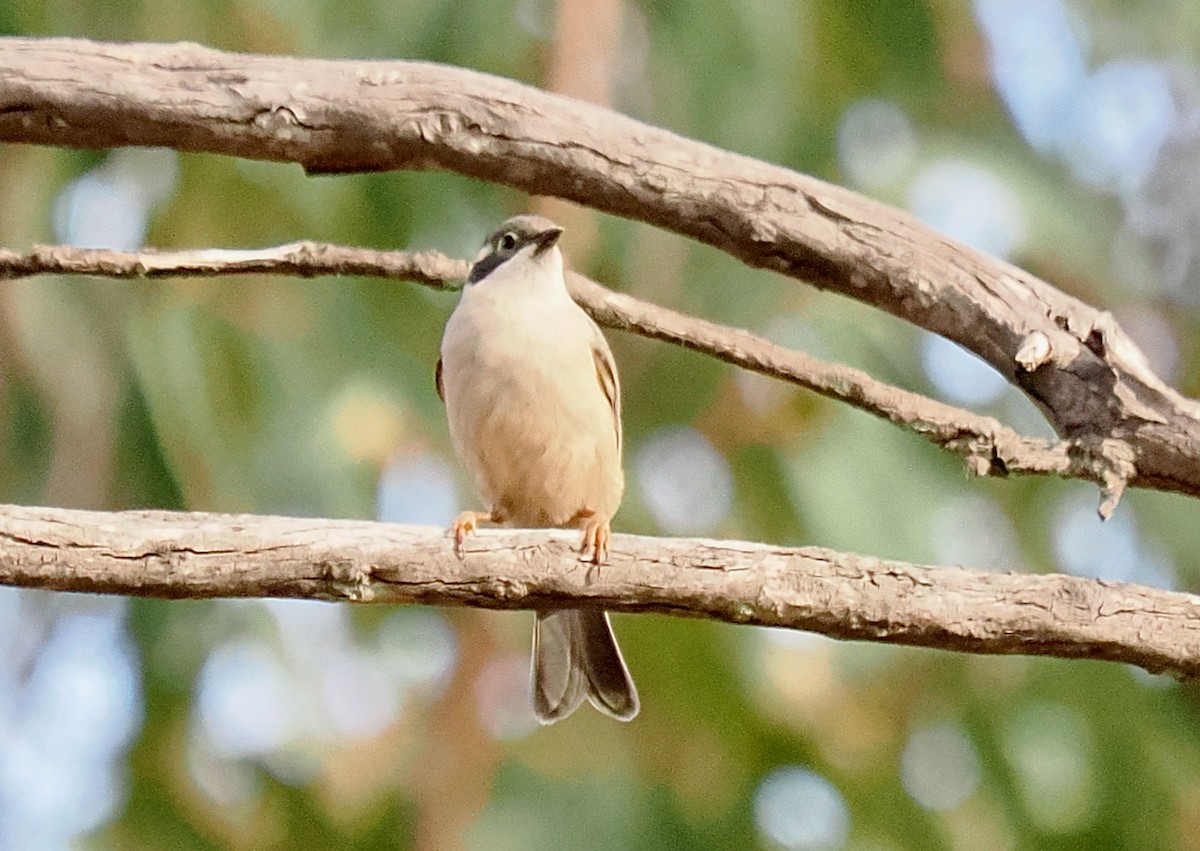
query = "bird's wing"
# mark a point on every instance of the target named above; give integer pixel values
(606, 375)
(437, 381)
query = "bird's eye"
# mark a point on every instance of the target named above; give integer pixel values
(507, 242)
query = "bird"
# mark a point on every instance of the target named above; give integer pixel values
(533, 405)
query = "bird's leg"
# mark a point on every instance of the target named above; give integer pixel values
(596, 536)
(466, 523)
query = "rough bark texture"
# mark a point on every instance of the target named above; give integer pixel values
(1070, 358)
(1121, 424)
(987, 446)
(163, 554)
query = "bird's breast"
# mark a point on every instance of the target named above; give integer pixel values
(527, 415)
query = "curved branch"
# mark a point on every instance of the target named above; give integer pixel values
(163, 554)
(987, 446)
(1072, 359)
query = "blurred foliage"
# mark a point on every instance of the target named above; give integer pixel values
(291, 396)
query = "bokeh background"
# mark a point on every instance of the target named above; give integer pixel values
(1064, 136)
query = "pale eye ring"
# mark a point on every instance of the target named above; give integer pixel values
(508, 241)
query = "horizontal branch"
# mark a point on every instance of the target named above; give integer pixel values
(987, 446)
(163, 554)
(1072, 359)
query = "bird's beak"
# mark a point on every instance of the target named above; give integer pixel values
(545, 240)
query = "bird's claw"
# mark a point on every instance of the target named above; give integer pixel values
(465, 524)
(596, 538)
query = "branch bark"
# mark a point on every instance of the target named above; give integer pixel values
(987, 446)
(164, 554)
(1072, 359)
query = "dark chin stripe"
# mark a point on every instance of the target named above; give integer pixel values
(484, 267)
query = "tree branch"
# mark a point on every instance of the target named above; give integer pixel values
(987, 446)
(1072, 359)
(328, 116)
(163, 554)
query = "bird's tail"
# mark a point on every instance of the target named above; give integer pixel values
(575, 655)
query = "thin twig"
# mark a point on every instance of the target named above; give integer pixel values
(988, 447)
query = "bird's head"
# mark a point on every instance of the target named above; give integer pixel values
(522, 239)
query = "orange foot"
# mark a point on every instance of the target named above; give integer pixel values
(466, 524)
(596, 536)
